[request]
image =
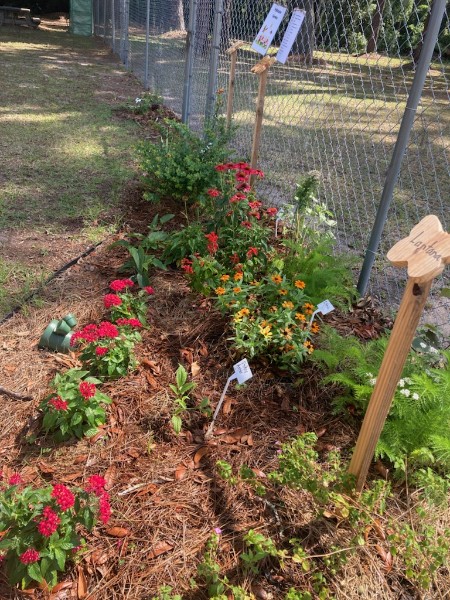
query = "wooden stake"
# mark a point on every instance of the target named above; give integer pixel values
(232, 50)
(425, 252)
(262, 69)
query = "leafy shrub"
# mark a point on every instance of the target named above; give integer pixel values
(124, 304)
(76, 407)
(41, 527)
(417, 429)
(181, 165)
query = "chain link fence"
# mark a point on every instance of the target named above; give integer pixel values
(335, 107)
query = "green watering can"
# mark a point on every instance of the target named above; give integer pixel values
(57, 334)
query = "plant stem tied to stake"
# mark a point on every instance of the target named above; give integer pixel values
(425, 252)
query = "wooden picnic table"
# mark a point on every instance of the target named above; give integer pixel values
(13, 15)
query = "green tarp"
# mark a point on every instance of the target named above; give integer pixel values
(81, 17)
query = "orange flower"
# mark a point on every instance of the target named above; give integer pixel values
(309, 346)
(225, 278)
(308, 308)
(300, 317)
(238, 276)
(236, 290)
(282, 292)
(273, 309)
(288, 348)
(220, 291)
(300, 284)
(288, 304)
(276, 278)
(315, 328)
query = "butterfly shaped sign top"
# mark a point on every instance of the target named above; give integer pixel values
(425, 251)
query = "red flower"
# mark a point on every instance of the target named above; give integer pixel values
(241, 165)
(254, 205)
(246, 224)
(212, 245)
(252, 252)
(213, 193)
(63, 496)
(107, 330)
(149, 290)
(234, 258)
(221, 168)
(104, 508)
(257, 172)
(96, 484)
(87, 390)
(101, 351)
(49, 523)
(29, 556)
(237, 198)
(272, 211)
(131, 322)
(242, 176)
(186, 265)
(254, 213)
(120, 284)
(111, 300)
(15, 479)
(244, 187)
(58, 403)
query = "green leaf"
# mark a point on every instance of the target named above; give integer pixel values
(60, 556)
(34, 572)
(176, 423)
(445, 292)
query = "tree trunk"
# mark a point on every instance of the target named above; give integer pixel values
(418, 49)
(376, 25)
(175, 16)
(306, 40)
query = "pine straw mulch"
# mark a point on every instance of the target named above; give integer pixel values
(167, 496)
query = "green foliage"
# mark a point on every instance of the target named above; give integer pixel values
(181, 390)
(126, 305)
(258, 548)
(71, 411)
(145, 102)
(181, 165)
(165, 592)
(142, 256)
(41, 530)
(417, 429)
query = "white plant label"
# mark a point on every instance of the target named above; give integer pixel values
(325, 307)
(242, 371)
(269, 28)
(297, 18)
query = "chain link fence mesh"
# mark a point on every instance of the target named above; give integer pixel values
(335, 107)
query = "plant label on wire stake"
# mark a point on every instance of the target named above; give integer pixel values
(324, 308)
(242, 373)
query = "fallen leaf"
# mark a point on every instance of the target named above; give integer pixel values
(152, 365)
(189, 437)
(81, 584)
(227, 404)
(151, 380)
(180, 472)
(133, 452)
(158, 549)
(381, 469)
(233, 436)
(72, 476)
(150, 488)
(81, 458)
(386, 557)
(250, 440)
(203, 349)
(99, 557)
(201, 452)
(96, 437)
(187, 354)
(109, 476)
(259, 473)
(321, 432)
(63, 585)
(195, 368)
(119, 532)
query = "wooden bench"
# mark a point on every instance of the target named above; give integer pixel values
(12, 15)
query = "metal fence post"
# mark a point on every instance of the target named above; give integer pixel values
(113, 26)
(147, 45)
(214, 61)
(189, 64)
(104, 19)
(437, 13)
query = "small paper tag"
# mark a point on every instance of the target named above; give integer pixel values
(269, 29)
(325, 307)
(242, 371)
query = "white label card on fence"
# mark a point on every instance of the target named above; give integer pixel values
(242, 371)
(298, 16)
(269, 29)
(325, 307)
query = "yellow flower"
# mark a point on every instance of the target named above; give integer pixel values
(300, 284)
(265, 331)
(309, 346)
(273, 309)
(287, 333)
(238, 276)
(225, 278)
(266, 324)
(315, 328)
(236, 290)
(255, 283)
(282, 292)
(300, 317)
(308, 308)
(276, 278)
(288, 304)
(220, 291)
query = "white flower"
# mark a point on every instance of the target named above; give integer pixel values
(373, 381)
(405, 392)
(422, 345)
(415, 396)
(401, 383)
(138, 100)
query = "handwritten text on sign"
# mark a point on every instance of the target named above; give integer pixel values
(290, 36)
(269, 29)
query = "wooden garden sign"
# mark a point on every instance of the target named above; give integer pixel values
(262, 69)
(232, 51)
(425, 252)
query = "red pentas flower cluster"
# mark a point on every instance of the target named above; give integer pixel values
(111, 300)
(186, 265)
(212, 245)
(29, 556)
(96, 485)
(91, 333)
(87, 390)
(130, 322)
(119, 285)
(49, 524)
(63, 496)
(15, 479)
(58, 403)
(244, 170)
